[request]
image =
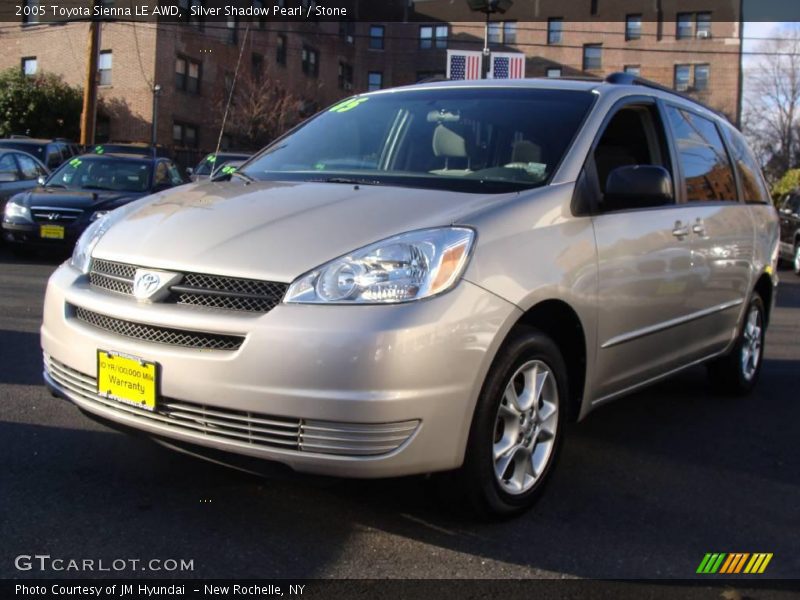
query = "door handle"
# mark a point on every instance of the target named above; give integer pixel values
(699, 227)
(680, 230)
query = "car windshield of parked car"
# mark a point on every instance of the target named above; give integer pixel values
(487, 140)
(107, 174)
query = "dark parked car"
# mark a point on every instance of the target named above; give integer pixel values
(789, 210)
(82, 190)
(18, 172)
(52, 153)
(212, 162)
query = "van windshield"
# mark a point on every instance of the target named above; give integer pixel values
(490, 140)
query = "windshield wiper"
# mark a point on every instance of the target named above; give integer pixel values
(98, 187)
(247, 178)
(349, 181)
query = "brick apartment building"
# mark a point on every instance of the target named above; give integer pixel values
(670, 41)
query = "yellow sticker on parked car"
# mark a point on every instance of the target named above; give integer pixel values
(126, 379)
(51, 232)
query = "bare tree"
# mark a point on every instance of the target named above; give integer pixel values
(772, 106)
(261, 110)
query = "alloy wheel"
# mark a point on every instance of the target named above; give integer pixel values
(525, 427)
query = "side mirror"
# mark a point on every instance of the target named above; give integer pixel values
(8, 177)
(637, 186)
(40, 180)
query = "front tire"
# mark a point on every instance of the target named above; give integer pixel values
(737, 372)
(517, 428)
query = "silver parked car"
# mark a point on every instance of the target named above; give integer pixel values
(427, 279)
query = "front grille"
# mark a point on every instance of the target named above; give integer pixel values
(55, 214)
(196, 289)
(243, 428)
(158, 335)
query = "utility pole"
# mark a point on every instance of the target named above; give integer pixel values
(90, 83)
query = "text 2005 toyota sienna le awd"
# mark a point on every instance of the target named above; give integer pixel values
(427, 279)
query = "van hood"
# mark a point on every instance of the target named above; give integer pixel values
(274, 230)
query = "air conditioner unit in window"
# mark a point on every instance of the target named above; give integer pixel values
(349, 39)
(703, 34)
(348, 85)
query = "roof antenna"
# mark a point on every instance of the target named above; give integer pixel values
(233, 87)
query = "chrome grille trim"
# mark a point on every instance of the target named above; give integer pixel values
(55, 214)
(241, 427)
(156, 334)
(196, 289)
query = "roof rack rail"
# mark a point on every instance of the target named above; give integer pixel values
(620, 78)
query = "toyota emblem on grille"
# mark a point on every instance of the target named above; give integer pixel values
(148, 285)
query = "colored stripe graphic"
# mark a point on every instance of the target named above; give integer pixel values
(733, 563)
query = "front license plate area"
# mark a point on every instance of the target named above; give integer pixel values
(51, 232)
(127, 379)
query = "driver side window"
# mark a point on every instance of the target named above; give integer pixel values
(634, 136)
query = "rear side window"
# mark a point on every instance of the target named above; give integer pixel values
(29, 168)
(707, 171)
(754, 189)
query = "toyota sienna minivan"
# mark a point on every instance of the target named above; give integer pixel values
(429, 279)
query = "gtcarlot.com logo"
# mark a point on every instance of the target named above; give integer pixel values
(722, 563)
(45, 562)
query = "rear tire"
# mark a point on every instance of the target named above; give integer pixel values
(517, 428)
(737, 372)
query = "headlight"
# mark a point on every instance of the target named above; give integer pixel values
(403, 268)
(17, 211)
(82, 254)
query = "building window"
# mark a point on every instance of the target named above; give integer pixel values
(31, 7)
(104, 64)
(29, 65)
(683, 74)
(633, 27)
(280, 53)
(593, 7)
(690, 25)
(433, 37)
(633, 70)
(184, 135)
(347, 32)
(592, 57)
(704, 25)
(554, 28)
(374, 80)
(376, 33)
(187, 75)
(262, 20)
(310, 61)
(495, 33)
(256, 66)
(233, 30)
(510, 32)
(554, 72)
(701, 77)
(345, 76)
(684, 82)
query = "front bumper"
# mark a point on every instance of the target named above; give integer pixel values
(28, 235)
(358, 391)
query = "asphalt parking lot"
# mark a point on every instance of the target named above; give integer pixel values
(646, 486)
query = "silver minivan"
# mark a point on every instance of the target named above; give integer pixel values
(430, 279)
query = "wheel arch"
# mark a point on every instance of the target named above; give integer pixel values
(561, 323)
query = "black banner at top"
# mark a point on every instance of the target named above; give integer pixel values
(186, 11)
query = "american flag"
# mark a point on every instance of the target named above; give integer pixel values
(508, 66)
(463, 65)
